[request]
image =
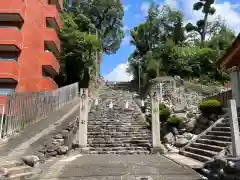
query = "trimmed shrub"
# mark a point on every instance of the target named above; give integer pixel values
(174, 120)
(162, 106)
(211, 106)
(164, 114)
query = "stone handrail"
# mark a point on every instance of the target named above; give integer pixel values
(203, 133)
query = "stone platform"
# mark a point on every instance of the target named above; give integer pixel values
(117, 167)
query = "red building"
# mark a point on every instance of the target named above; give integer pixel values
(29, 45)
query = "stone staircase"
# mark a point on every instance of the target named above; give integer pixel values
(117, 130)
(213, 141)
(16, 170)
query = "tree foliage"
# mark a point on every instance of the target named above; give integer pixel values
(163, 47)
(89, 27)
(106, 16)
(78, 46)
(202, 24)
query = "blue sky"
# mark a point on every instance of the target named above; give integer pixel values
(113, 67)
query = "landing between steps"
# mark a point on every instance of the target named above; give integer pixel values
(178, 158)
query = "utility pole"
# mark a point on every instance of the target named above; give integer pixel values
(139, 78)
(96, 55)
(139, 74)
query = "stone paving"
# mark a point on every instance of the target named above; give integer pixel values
(120, 129)
(117, 167)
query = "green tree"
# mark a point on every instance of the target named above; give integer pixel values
(107, 17)
(161, 25)
(162, 49)
(201, 25)
(78, 47)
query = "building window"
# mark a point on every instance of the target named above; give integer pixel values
(45, 73)
(7, 89)
(48, 49)
(48, 25)
(8, 56)
(6, 24)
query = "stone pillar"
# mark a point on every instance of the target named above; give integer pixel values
(234, 127)
(157, 146)
(161, 92)
(235, 81)
(83, 119)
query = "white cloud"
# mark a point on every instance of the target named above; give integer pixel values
(228, 11)
(126, 29)
(126, 7)
(119, 74)
(126, 40)
(144, 7)
(171, 3)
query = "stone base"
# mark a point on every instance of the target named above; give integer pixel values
(159, 150)
(84, 150)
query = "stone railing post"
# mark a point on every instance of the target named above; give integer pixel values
(161, 92)
(83, 120)
(234, 128)
(157, 146)
(235, 80)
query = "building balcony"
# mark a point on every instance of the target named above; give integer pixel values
(53, 17)
(9, 71)
(50, 63)
(47, 84)
(12, 11)
(10, 39)
(57, 3)
(52, 41)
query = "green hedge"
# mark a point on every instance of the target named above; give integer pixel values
(164, 112)
(162, 106)
(174, 120)
(211, 106)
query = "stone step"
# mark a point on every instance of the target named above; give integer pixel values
(223, 129)
(213, 142)
(118, 126)
(119, 149)
(21, 176)
(207, 147)
(222, 125)
(134, 141)
(136, 134)
(19, 169)
(117, 144)
(195, 156)
(219, 133)
(11, 163)
(122, 121)
(120, 152)
(218, 138)
(118, 138)
(201, 152)
(94, 123)
(119, 130)
(226, 120)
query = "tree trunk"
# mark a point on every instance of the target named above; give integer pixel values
(204, 29)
